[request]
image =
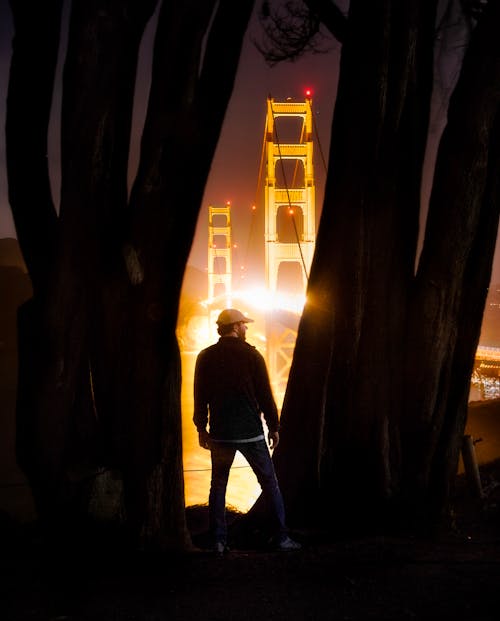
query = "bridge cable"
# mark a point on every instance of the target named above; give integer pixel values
(288, 195)
(318, 139)
(296, 167)
(254, 206)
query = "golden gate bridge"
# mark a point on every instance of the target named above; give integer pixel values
(289, 197)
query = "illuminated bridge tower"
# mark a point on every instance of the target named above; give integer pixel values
(219, 252)
(297, 200)
(289, 199)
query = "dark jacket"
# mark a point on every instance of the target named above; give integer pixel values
(231, 389)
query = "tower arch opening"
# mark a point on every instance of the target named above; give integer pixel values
(289, 224)
(290, 278)
(289, 173)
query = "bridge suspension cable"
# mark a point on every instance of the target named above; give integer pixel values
(318, 140)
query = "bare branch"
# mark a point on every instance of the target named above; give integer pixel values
(294, 28)
(331, 16)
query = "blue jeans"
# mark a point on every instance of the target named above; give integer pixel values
(259, 459)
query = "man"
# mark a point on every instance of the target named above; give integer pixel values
(231, 389)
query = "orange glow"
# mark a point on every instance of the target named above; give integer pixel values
(198, 331)
(243, 488)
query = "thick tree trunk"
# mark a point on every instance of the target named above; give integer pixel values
(185, 114)
(105, 385)
(364, 260)
(453, 275)
(32, 73)
(55, 409)
(395, 351)
(99, 83)
(31, 81)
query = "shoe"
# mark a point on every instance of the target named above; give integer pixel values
(220, 548)
(287, 545)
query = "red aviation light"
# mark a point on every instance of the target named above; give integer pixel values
(309, 93)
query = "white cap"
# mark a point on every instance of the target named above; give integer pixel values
(232, 315)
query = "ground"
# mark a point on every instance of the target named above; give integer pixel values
(456, 576)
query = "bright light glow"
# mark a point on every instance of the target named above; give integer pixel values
(263, 300)
(200, 332)
(308, 93)
(267, 301)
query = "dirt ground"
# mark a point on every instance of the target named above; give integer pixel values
(455, 577)
(371, 579)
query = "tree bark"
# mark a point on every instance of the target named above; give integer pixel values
(29, 98)
(395, 350)
(366, 243)
(106, 385)
(453, 275)
(185, 114)
(34, 59)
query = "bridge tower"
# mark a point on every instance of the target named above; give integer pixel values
(296, 199)
(220, 269)
(287, 195)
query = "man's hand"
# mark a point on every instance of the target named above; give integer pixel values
(204, 439)
(274, 438)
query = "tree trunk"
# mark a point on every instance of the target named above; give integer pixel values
(357, 295)
(105, 384)
(395, 350)
(32, 70)
(397, 365)
(453, 275)
(31, 82)
(185, 114)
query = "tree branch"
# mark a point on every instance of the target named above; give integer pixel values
(294, 28)
(29, 101)
(330, 16)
